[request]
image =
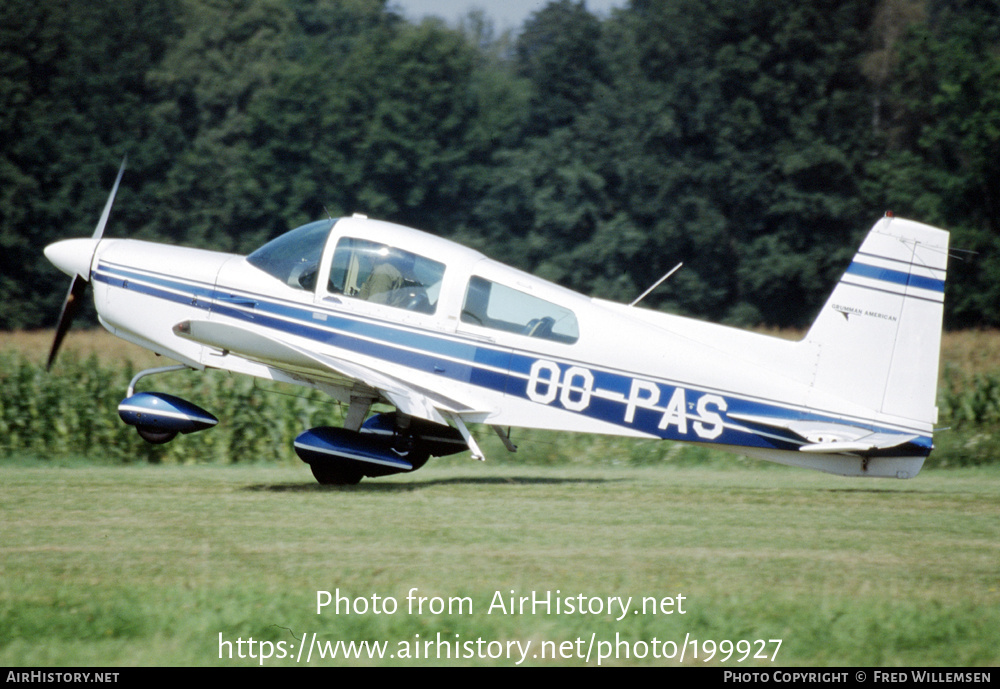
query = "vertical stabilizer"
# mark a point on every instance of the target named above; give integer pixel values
(878, 338)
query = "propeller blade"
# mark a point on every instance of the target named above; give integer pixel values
(74, 297)
(71, 305)
(99, 232)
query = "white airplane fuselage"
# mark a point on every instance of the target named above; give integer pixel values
(614, 369)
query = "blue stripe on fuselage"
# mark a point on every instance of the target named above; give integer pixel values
(424, 352)
(492, 368)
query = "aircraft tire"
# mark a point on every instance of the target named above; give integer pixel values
(154, 436)
(335, 476)
(418, 458)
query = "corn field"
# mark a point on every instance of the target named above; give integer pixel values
(71, 412)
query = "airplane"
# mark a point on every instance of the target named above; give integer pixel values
(375, 313)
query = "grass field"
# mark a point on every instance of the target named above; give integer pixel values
(131, 557)
(153, 565)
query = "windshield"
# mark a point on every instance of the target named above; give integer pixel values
(294, 257)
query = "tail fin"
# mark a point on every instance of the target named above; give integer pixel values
(878, 337)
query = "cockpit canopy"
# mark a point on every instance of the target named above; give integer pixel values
(386, 275)
(381, 272)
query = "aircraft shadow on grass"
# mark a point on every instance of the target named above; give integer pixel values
(411, 486)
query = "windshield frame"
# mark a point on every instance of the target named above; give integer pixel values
(294, 257)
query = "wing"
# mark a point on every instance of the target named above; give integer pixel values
(410, 398)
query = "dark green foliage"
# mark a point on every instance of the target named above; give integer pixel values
(942, 161)
(723, 135)
(754, 141)
(557, 53)
(72, 91)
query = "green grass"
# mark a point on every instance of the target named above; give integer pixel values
(147, 565)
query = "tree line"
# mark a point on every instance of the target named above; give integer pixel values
(754, 140)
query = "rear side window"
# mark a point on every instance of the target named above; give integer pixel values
(492, 305)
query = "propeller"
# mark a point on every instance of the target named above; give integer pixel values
(62, 254)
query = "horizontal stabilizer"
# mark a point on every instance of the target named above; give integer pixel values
(825, 437)
(868, 443)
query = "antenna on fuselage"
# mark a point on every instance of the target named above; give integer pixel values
(656, 284)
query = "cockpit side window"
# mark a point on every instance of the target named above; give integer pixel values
(384, 274)
(294, 257)
(492, 305)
